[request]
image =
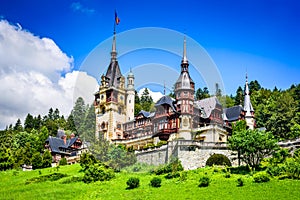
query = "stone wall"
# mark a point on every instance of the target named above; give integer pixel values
(191, 156)
(153, 156)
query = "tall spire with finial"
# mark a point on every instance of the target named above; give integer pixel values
(184, 57)
(248, 108)
(113, 52)
(184, 61)
(114, 49)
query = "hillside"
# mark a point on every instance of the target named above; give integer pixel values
(13, 186)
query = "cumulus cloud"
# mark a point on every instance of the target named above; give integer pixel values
(78, 7)
(30, 76)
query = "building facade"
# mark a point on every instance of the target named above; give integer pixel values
(183, 118)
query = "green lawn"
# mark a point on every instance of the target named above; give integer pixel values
(12, 186)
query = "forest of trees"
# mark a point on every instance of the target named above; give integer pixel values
(276, 110)
(24, 144)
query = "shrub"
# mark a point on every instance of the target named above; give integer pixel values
(227, 175)
(155, 182)
(261, 177)
(276, 170)
(133, 182)
(240, 182)
(49, 177)
(173, 167)
(97, 172)
(63, 161)
(172, 175)
(204, 181)
(218, 159)
(292, 168)
(86, 160)
(183, 176)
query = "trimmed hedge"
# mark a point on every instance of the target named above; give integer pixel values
(261, 177)
(155, 182)
(218, 159)
(133, 182)
(204, 181)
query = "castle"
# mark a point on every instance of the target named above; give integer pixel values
(182, 118)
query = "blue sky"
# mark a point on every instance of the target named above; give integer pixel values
(260, 37)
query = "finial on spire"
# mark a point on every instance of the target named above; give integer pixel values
(114, 49)
(184, 58)
(164, 88)
(247, 86)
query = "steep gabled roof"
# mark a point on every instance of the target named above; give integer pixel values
(144, 113)
(207, 105)
(166, 100)
(233, 113)
(113, 73)
(57, 144)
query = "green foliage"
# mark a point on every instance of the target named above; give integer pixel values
(14, 187)
(73, 179)
(204, 181)
(202, 94)
(116, 157)
(47, 159)
(37, 161)
(97, 172)
(78, 114)
(218, 159)
(183, 176)
(261, 177)
(239, 97)
(239, 126)
(86, 160)
(133, 182)
(49, 177)
(119, 157)
(292, 168)
(63, 161)
(6, 159)
(172, 169)
(155, 182)
(253, 145)
(146, 100)
(240, 182)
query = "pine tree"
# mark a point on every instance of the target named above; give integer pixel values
(47, 159)
(239, 97)
(18, 126)
(78, 113)
(89, 124)
(29, 123)
(146, 100)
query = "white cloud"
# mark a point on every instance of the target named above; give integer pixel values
(78, 7)
(30, 76)
(155, 95)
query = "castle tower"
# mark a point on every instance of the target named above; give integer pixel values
(130, 97)
(109, 101)
(248, 108)
(184, 92)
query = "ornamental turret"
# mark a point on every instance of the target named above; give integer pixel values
(184, 92)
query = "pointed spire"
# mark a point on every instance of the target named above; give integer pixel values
(114, 49)
(248, 108)
(184, 58)
(247, 86)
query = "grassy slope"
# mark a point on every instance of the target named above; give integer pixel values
(12, 186)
